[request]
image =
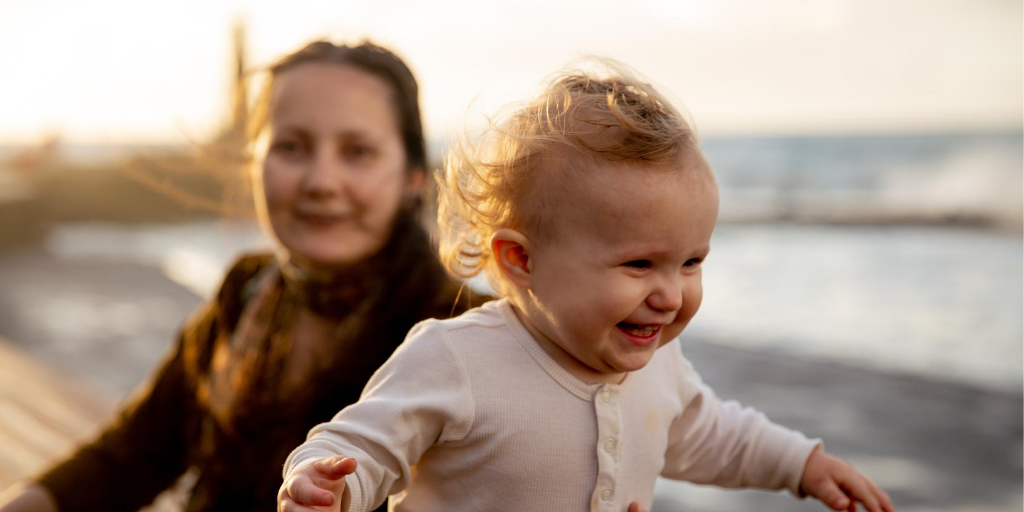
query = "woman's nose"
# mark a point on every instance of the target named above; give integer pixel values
(667, 294)
(324, 176)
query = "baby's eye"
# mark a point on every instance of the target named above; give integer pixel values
(692, 262)
(638, 264)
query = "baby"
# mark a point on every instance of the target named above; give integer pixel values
(591, 211)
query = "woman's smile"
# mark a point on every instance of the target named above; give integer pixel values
(317, 218)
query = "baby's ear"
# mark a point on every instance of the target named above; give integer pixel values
(511, 251)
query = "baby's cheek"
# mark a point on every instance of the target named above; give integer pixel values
(692, 298)
(686, 313)
(672, 331)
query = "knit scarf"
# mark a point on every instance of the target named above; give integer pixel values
(246, 373)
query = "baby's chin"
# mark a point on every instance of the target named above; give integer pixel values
(632, 362)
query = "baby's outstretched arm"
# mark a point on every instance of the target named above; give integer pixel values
(841, 487)
(419, 398)
(319, 484)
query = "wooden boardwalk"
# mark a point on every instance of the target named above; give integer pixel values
(43, 414)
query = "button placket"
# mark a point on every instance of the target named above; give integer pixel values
(609, 427)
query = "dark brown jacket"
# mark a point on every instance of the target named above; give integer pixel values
(165, 429)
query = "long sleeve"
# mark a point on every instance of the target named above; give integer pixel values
(142, 452)
(726, 444)
(419, 398)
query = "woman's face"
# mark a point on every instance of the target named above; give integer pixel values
(334, 171)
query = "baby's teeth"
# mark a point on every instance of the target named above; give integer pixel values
(643, 331)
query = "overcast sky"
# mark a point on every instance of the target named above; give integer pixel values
(121, 71)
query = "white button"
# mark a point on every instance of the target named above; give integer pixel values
(606, 396)
(609, 445)
(606, 494)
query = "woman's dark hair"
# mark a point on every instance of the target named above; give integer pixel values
(372, 59)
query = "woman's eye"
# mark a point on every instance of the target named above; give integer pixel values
(638, 264)
(359, 151)
(286, 147)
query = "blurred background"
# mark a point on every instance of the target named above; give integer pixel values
(865, 283)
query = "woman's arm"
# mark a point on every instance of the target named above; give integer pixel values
(144, 450)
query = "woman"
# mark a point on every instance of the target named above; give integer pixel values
(339, 164)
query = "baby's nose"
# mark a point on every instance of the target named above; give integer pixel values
(667, 297)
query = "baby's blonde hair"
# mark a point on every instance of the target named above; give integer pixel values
(580, 118)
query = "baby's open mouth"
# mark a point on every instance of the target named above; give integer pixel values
(640, 331)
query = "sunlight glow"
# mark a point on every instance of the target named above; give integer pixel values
(118, 70)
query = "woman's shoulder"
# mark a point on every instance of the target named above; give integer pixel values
(221, 312)
(237, 281)
(245, 267)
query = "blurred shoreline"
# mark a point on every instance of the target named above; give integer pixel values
(967, 179)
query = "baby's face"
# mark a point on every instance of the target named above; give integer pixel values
(621, 274)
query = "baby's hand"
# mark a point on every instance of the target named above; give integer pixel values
(319, 484)
(840, 486)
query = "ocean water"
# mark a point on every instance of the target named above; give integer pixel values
(943, 302)
(909, 178)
